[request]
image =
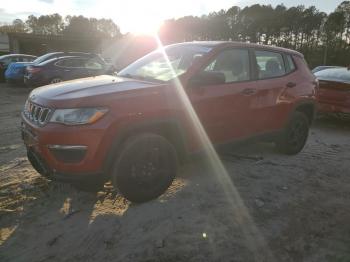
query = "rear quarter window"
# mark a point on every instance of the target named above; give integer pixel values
(290, 66)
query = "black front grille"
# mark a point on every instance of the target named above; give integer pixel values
(36, 114)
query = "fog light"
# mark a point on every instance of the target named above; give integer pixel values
(68, 153)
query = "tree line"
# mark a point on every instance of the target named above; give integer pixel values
(322, 38)
(55, 24)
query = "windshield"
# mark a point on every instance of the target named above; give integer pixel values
(155, 66)
(42, 58)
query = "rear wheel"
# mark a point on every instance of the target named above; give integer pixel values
(55, 80)
(145, 167)
(294, 137)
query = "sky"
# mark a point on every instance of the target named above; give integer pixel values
(137, 16)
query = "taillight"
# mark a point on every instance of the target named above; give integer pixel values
(33, 70)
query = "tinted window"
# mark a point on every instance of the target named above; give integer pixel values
(6, 61)
(62, 63)
(72, 63)
(290, 64)
(270, 64)
(77, 62)
(15, 59)
(91, 64)
(233, 63)
(27, 59)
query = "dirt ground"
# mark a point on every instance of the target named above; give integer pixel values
(257, 206)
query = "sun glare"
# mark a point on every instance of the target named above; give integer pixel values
(254, 239)
(148, 26)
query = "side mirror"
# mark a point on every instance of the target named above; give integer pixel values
(205, 78)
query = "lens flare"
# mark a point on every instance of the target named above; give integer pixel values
(240, 214)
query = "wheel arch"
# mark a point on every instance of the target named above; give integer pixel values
(170, 128)
(308, 108)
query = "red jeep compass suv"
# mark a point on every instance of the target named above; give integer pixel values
(134, 128)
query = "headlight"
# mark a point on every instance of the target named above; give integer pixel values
(77, 116)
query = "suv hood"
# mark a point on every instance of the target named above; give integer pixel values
(104, 85)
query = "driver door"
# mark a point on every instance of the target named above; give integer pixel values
(224, 108)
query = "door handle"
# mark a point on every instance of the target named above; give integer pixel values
(249, 91)
(291, 84)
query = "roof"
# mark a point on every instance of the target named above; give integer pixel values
(222, 44)
(15, 55)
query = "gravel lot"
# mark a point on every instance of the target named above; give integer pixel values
(261, 206)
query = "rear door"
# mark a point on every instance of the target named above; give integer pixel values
(72, 68)
(269, 110)
(224, 109)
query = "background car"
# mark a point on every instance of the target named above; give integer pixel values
(16, 71)
(334, 91)
(64, 68)
(320, 68)
(5, 60)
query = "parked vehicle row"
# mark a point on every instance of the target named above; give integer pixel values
(55, 67)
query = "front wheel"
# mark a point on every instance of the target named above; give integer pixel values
(145, 167)
(294, 136)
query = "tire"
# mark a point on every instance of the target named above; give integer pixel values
(55, 80)
(145, 167)
(294, 136)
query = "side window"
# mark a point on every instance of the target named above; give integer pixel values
(94, 65)
(77, 62)
(15, 59)
(71, 63)
(233, 64)
(6, 61)
(27, 59)
(270, 64)
(290, 64)
(62, 63)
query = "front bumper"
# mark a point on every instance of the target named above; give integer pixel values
(66, 151)
(42, 168)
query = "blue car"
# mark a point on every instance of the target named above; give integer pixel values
(64, 68)
(6, 60)
(15, 71)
